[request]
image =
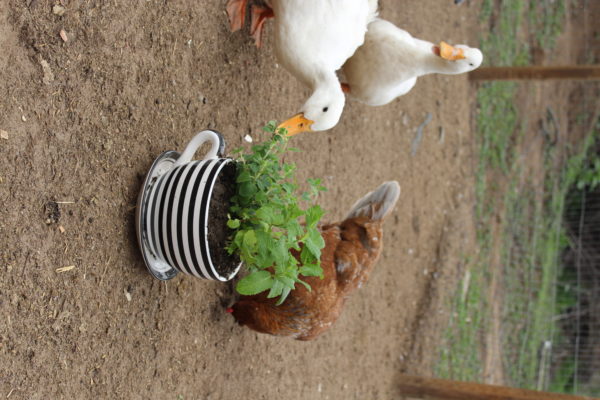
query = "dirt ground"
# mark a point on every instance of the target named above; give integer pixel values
(84, 120)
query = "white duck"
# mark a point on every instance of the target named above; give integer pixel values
(313, 39)
(388, 64)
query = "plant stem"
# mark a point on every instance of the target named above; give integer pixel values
(271, 147)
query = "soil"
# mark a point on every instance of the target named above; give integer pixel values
(82, 120)
(218, 232)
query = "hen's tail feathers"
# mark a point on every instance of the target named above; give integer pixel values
(378, 203)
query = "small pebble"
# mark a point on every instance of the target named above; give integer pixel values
(405, 119)
(248, 138)
(58, 10)
(63, 35)
(127, 294)
(48, 74)
(3, 134)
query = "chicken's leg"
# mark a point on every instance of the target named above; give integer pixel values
(236, 11)
(259, 14)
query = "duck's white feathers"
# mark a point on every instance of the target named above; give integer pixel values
(388, 64)
(313, 36)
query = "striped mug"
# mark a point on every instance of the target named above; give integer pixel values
(173, 212)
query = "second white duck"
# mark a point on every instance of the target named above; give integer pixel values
(388, 64)
(313, 39)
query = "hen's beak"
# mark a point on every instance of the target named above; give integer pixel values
(297, 124)
(451, 53)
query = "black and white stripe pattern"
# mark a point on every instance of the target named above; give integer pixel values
(177, 217)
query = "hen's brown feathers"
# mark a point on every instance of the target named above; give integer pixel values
(351, 250)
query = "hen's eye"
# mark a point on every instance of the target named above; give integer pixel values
(325, 109)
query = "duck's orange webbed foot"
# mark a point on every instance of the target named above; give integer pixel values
(345, 87)
(259, 14)
(236, 11)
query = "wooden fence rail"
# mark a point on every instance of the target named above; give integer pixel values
(415, 387)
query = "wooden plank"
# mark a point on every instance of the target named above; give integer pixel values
(440, 389)
(572, 72)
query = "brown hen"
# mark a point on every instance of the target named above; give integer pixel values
(352, 248)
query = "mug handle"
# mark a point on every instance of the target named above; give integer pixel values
(215, 138)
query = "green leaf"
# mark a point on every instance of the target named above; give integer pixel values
(276, 289)
(313, 215)
(233, 223)
(277, 219)
(284, 295)
(247, 189)
(280, 252)
(249, 240)
(270, 127)
(294, 229)
(255, 282)
(293, 212)
(311, 270)
(288, 187)
(314, 242)
(238, 239)
(306, 257)
(265, 242)
(287, 282)
(244, 176)
(265, 213)
(306, 285)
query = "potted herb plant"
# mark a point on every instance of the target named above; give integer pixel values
(206, 218)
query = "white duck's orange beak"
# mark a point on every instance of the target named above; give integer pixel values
(297, 124)
(451, 53)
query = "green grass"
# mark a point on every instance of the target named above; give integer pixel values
(545, 20)
(531, 235)
(461, 357)
(529, 275)
(504, 45)
(459, 361)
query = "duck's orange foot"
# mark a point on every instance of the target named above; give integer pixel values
(345, 87)
(258, 17)
(236, 11)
